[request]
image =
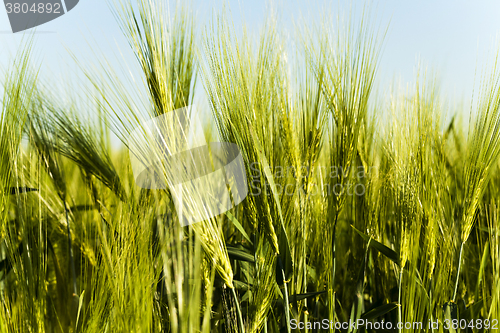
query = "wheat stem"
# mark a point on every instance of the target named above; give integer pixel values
(458, 271)
(70, 252)
(400, 315)
(238, 310)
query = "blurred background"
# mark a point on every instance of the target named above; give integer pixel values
(452, 39)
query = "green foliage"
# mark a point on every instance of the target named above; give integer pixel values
(356, 209)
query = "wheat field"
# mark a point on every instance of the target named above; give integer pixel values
(358, 211)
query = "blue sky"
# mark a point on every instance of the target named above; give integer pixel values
(452, 38)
